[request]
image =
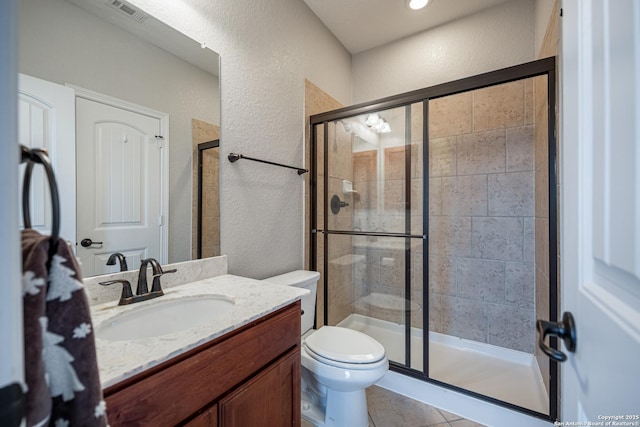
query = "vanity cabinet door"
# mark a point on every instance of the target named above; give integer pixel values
(209, 418)
(271, 398)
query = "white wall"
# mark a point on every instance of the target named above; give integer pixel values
(62, 43)
(11, 361)
(495, 38)
(543, 11)
(267, 49)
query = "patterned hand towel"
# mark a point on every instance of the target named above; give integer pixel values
(60, 355)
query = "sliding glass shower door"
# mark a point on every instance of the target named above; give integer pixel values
(373, 210)
(433, 226)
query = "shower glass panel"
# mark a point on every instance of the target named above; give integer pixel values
(368, 162)
(371, 297)
(373, 211)
(482, 243)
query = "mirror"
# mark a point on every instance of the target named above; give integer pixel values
(109, 47)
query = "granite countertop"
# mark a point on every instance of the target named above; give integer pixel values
(253, 299)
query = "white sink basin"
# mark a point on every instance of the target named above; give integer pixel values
(164, 317)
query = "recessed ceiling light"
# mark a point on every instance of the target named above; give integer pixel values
(416, 4)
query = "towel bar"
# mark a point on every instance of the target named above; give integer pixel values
(234, 157)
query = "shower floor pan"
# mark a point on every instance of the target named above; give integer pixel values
(508, 375)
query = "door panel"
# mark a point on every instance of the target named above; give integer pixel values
(601, 207)
(209, 418)
(119, 185)
(46, 120)
(120, 175)
(272, 397)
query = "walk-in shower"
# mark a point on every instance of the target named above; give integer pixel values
(434, 211)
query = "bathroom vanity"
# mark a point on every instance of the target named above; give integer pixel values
(239, 370)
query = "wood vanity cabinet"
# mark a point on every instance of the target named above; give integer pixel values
(247, 377)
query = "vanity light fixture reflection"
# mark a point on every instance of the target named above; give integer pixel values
(377, 123)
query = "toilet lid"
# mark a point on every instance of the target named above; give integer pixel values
(344, 345)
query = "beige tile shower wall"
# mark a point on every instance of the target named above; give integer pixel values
(481, 228)
(203, 132)
(549, 48)
(316, 101)
(210, 203)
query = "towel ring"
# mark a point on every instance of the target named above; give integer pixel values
(37, 155)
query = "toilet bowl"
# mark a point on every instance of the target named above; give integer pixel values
(338, 364)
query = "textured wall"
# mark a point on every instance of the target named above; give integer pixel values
(62, 43)
(267, 50)
(496, 38)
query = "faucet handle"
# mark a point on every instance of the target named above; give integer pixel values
(126, 289)
(155, 287)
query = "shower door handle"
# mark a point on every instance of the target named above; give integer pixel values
(565, 330)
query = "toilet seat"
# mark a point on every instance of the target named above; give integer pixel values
(341, 346)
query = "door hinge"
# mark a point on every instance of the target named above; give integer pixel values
(160, 220)
(160, 140)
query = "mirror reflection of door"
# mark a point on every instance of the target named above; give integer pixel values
(119, 170)
(45, 120)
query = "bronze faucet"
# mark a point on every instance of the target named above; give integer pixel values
(121, 259)
(142, 290)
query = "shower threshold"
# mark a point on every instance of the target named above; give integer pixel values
(500, 373)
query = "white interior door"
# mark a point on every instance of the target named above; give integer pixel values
(601, 208)
(119, 186)
(46, 119)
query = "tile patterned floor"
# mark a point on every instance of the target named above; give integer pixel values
(388, 409)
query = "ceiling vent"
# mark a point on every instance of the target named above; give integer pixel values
(128, 10)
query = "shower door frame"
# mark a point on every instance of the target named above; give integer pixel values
(536, 68)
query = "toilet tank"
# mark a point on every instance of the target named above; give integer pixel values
(301, 279)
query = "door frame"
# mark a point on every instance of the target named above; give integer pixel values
(11, 328)
(91, 95)
(596, 284)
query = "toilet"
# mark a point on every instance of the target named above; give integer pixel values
(338, 364)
